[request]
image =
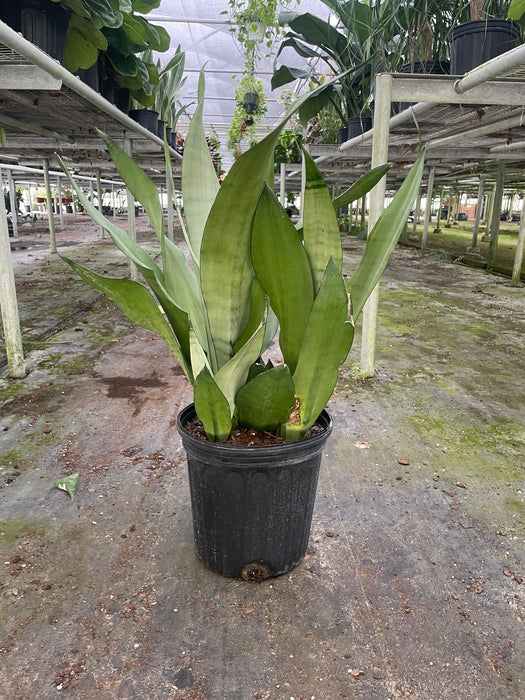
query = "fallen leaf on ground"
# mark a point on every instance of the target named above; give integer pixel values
(362, 445)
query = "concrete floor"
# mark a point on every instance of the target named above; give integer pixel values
(412, 585)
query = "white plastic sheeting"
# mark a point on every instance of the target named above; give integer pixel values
(204, 33)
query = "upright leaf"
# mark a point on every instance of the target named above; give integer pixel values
(383, 238)
(226, 269)
(212, 407)
(234, 373)
(327, 341)
(282, 267)
(322, 239)
(199, 179)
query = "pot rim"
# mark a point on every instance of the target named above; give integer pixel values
(239, 451)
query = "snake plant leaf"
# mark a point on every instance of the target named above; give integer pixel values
(358, 190)
(137, 303)
(383, 238)
(183, 288)
(198, 357)
(322, 239)
(152, 273)
(140, 185)
(282, 267)
(234, 373)
(327, 342)
(212, 407)
(199, 179)
(257, 309)
(267, 400)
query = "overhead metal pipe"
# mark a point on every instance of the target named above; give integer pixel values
(495, 68)
(25, 48)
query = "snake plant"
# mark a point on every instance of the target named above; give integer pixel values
(251, 272)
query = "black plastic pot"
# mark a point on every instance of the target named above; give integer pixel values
(90, 77)
(146, 118)
(358, 126)
(476, 42)
(42, 23)
(160, 128)
(250, 102)
(252, 506)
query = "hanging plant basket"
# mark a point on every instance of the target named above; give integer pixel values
(250, 102)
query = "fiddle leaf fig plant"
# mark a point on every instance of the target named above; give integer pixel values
(251, 272)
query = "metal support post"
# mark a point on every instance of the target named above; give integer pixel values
(169, 206)
(99, 197)
(496, 211)
(488, 213)
(52, 234)
(12, 199)
(282, 185)
(8, 301)
(60, 211)
(132, 224)
(428, 210)
(520, 246)
(413, 236)
(474, 248)
(440, 207)
(377, 204)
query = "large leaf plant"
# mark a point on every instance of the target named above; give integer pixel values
(251, 272)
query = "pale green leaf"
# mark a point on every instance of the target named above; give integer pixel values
(140, 185)
(152, 273)
(199, 179)
(138, 305)
(383, 238)
(358, 190)
(183, 288)
(321, 236)
(234, 373)
(212, 407)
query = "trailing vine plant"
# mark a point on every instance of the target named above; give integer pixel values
(256, 28)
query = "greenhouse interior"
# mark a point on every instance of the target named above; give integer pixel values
(262, 349)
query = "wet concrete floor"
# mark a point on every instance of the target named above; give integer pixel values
(412, 586)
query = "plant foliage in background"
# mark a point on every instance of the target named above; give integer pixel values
(252, 271)
(116, 30)
(352, 48)
(244, 125)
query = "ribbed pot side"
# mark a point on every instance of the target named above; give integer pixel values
(252, 506)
